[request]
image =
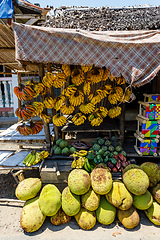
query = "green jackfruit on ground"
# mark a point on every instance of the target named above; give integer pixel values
(143, 201)
(106, 212)
(119, 196)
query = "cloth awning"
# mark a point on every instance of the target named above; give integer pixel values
(135, 54)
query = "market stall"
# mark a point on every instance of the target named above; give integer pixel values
(96, 73)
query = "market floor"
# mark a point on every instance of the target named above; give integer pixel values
(10, 229)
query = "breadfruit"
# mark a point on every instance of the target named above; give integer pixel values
(106, 212)
(79, 181)
(90, 200)
(143, 201)
(70, 202)
(28, 188)
(129, 218)
(86, 219)
(136, 181)
(119, 196)
(153, 213)
(63, 144)
(50, 200)
(60, 218)
(153, 172)
(130, 166)
(155, 191)
(31, 216)
(101, 180)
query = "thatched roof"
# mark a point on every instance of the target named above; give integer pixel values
(105, 18)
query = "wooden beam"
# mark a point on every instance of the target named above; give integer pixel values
(46, 125)
(53, 110)
(122, 122)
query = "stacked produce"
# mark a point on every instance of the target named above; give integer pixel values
(34, 157)
(103, 150)
(93, 197)
(62, 147)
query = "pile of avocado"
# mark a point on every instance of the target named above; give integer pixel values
(105, 150)
(62, 147)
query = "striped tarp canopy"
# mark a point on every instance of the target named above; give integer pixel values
(134, 54)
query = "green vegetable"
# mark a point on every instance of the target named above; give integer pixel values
(113, 160)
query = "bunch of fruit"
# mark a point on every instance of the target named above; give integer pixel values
(91, 198)
(78, 119)
(114, 112)
(25, 112)
(59, 120)
(24, 92)
(67, 109)
(32, 128)
(81, 161)
(86, 108)
(62, 147)
(77, 76)
(34, 157)
(76, 98)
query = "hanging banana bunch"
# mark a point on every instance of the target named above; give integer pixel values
(77, 76)
(48, 79)
(67, 109)
(60, 79)
(127, 95)
(71, 89)
(86, 68)
(106, 74)
(120, 80)
(112, 98)
(39, 88)
(87, 88)
(114, 112)
(66, 69)
(38, 108)
(102, 92)
(59, 120)
(77, 98)
(101, 112)
(95, 75)
(86, 108)
(94, 98)
(49, 102)
(119, 93)
(95, 119)
(78, 119)
(59, 102)
(45, 117)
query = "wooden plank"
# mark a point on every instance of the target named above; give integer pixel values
(15, 159)
(4, 155)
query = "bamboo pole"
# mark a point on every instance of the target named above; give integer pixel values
(46, 125)
(122, 123)
(53, 110)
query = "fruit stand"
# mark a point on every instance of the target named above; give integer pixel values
(96, 81)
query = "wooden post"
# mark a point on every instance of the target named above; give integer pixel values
(53, 110)
(122, 122)
(46, 125)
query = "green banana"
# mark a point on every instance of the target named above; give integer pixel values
(27, 158)
(87, 165)
(32, 160)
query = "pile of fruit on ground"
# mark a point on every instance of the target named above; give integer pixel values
(93, 197)
(103, 150)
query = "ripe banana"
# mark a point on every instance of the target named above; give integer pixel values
(78, 119)
(67, 109)
(86, 108)
(114, 112)
(59, 120)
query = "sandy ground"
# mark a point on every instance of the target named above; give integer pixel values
(10, 229)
